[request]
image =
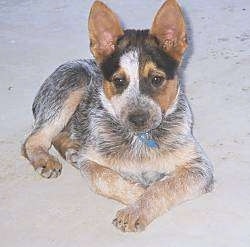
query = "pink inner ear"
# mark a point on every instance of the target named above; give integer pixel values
(170, 34)
(107, 42)
(169, 38)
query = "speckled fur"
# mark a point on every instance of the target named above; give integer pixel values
(72, 112)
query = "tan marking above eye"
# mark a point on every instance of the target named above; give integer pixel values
(109, 89)
(120, 73)
(150, 69)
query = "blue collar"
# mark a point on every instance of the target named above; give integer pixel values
(147, 140)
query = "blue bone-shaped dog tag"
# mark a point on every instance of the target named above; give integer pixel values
(147, 140)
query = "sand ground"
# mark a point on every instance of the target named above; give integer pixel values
(37, 36)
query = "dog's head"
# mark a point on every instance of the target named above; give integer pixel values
(139, 66)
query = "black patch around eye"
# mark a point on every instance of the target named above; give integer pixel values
(120, 84)
(162, 60)
(109, 66)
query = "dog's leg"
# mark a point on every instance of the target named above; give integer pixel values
(187, 182)
(36, 146)
(109, 183)
(65, 145)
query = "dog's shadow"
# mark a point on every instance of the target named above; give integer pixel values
(188, 54)
(190, 49)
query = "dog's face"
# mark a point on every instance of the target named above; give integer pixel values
(139, 67)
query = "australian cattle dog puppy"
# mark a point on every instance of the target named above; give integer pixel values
(123, 118)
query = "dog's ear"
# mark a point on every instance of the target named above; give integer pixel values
(169, 28)
(104, 30)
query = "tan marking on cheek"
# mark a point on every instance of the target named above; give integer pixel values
(109, 89)
(167, 95)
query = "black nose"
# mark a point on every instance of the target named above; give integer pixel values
(138, 119)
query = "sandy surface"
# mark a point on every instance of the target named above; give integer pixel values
(35, 37)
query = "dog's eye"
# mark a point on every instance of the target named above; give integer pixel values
(119, 82)
(157, 81)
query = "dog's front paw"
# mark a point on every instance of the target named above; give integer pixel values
(130, 219)
(49, 168)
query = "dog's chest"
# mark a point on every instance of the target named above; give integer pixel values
(144, 172)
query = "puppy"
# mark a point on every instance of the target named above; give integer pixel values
(123, 118)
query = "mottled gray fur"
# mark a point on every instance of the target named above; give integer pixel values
(95, 127)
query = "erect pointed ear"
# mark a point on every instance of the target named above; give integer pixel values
(169, 28)
(104, 30)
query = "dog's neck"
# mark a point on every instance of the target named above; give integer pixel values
(114, 139)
